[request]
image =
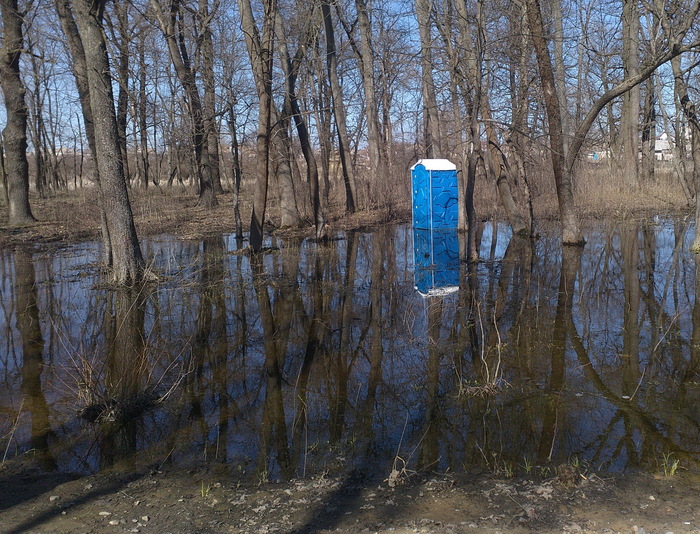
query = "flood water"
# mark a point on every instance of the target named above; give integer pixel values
(323, 358)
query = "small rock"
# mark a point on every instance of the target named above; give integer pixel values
(105, 513)
(145, 518)
(652, 498)
(54, 498)
(114, 522)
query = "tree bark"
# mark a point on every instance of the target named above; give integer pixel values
(571, 232)
(127, 261)
(291, 68)
(210, 123)
(79, 67)
(257, 218)
(629, 120)
(431, 125)
(377, 169)
(339, 111)
(15, 131)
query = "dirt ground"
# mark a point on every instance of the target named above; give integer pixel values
(210, 501)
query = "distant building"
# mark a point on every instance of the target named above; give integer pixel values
(663, 148)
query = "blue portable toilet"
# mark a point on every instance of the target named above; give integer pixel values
(435, 219)
(435, 194)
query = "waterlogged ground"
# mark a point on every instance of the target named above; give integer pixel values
(316, 389)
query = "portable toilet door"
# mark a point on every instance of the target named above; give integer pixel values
(435, 194)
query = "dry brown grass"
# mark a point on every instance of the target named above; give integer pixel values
(73, 215)
(599, 192)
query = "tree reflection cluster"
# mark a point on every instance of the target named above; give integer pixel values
(318, 357)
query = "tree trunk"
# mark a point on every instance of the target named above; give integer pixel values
(339, 112)
(291, 70)
(279, 137)
(142, 110)
(431, 128)
(571, 232)
(210, 123)
(235, 153)
(646, 170)
(377, 170)
(629, 120)
(127, 263)
(690, 112)
(499, 169)
(123, 67)
(15, 131)
(257, 219)
(79, 65)
(172, 31)
(560, 68)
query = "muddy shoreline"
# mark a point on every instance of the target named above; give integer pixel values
(214, 500)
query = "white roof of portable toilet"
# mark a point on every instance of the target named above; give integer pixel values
(436, 164)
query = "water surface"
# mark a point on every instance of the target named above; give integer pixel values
(324, 357)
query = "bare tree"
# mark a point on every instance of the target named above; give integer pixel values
(690, 111)
(291, 68)
(377, 168)
(15, 132)
(339, 112)
(431, 129)
(629, 121)
(79, 67)
(571, 231)
(205, 17)
(127, 261)
(264, 60)
(169, 19)
(279, 136)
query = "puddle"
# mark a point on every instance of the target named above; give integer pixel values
(324, 358)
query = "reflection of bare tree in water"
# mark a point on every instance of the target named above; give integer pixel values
(429, 452)
(273, 431)
(629, 359)
(209, 345)
(552, 419)
(317, 330)
(485, 334)
(644, 438)
(29, 326)
(127, 394)
(342, 362)
(380, 249)
(693, 369)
